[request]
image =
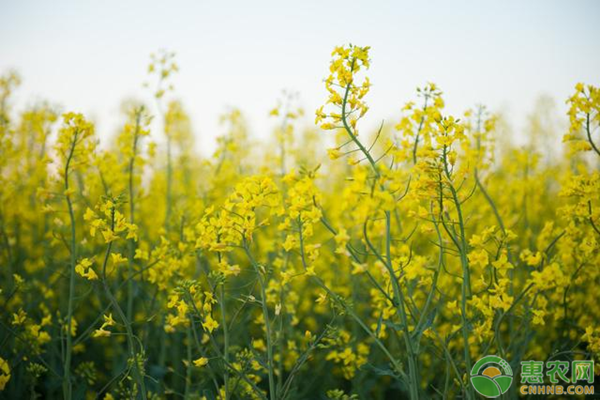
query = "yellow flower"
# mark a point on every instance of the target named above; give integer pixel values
(334, 154)
(538, 317)
(290, 243)
(141, 255)
(209, 324)
(453, 306)
(19, 317)
(358, 268)
(85, 270)
(132, 230)
(91, 275)
(502, 263)
(109, 236)
(89, 214)
(108, 320)
(478, 258)
(341, 239)
(101, 332)
(4, 373)
(322, 298)
(201, 362)
(117, 258)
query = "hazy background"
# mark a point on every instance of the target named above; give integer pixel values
(89, 55)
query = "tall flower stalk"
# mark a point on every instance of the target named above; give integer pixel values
(74, 147)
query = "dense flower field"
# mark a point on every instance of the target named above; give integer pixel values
(326, 262)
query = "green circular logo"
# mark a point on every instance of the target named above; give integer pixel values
(491, 376)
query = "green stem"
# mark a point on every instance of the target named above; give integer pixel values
(212, 340)
(589, 134)
(169, 183)
(466, 281)
(265, 310)
(398, 295)
(397, 366)
(362, 148)
(115, 304)
(416, 145)
(225, 337)
(188, 374)
(131, 243)
(67, 384)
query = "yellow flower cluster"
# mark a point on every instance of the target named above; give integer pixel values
(346, 96)
(584, 117)
(382, 267)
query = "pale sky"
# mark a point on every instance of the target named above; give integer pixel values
(88, 55)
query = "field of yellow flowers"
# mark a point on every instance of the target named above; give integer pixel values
(326, 262)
